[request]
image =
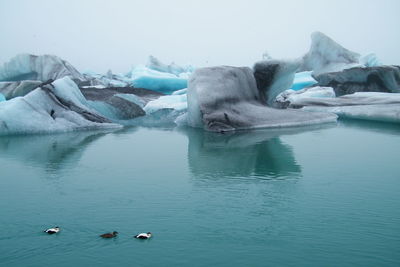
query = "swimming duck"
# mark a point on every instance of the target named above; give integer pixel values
(143, 235)
(53, 230)
(109, 235)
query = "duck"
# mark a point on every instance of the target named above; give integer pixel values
(143, 235)
(109, 235)
(53, 230)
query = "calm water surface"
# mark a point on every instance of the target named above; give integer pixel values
(311, 197)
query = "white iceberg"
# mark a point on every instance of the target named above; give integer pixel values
(59, 107)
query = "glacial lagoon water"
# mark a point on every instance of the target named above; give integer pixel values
(325, 196)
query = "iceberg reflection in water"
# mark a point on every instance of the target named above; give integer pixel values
(49, 152)
(245, 154)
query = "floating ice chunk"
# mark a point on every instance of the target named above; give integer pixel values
(370, 60)
(273, 77)
(302, 80)
(42, 68)
(227, 98)
(362, 105)
(176, 102)
(291, 98)
(143, 77)
(2, 97)
(325, 55)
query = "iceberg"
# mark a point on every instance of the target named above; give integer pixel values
(2, 97)
(273, 77)
(163, 111)
(55, 107)
(325, 55)
(38, 68)
(227, 98)
(369, 79)
(143, 77)
(172, 68)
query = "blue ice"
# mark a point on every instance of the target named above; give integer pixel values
(302, 80)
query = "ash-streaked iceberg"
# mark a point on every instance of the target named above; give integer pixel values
(273, 77)
(227, 98)
(369, 79)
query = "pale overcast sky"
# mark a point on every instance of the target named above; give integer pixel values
(116, 34)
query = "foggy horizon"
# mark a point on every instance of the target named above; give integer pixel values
(116, 35)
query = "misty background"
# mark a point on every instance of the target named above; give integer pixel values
(102, 34)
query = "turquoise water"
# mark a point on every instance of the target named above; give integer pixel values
(311, 197)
